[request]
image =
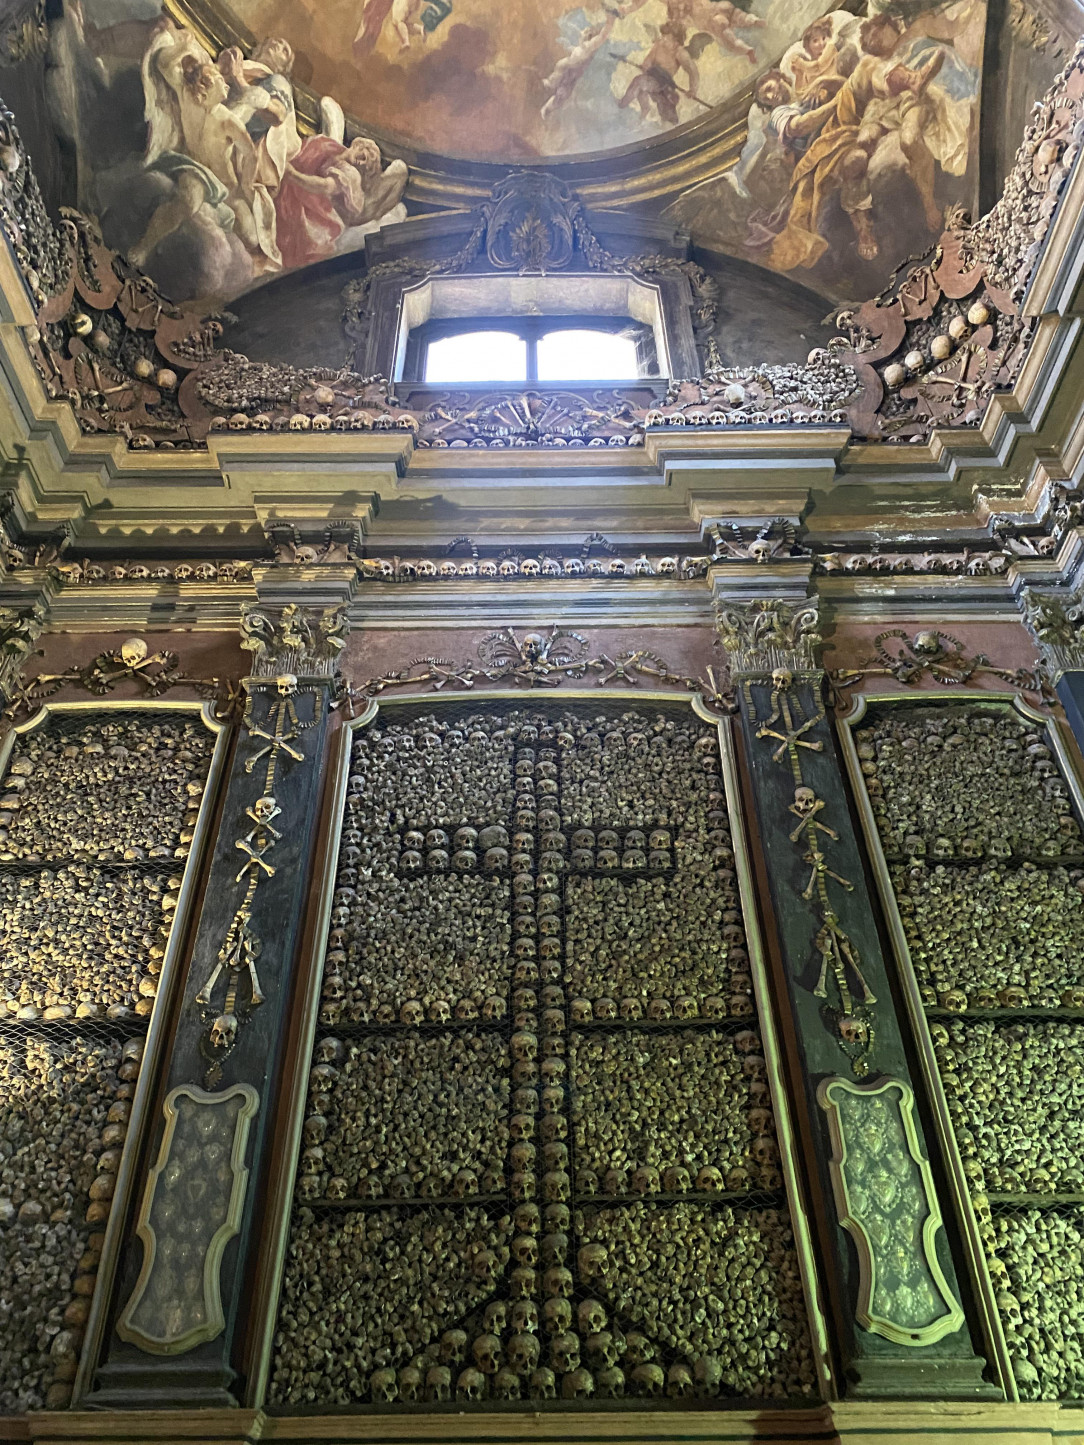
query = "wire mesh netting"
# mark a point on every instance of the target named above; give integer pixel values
(538, 1159)
(65, 1091)
(96, 816)
(978, 823)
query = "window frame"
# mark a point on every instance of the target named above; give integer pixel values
(530, 329)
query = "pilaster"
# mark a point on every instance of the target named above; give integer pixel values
(168, 1332)
(891, 1278)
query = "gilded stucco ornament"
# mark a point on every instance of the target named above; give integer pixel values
(769, 635)
(887, 1202)
(298, 641)
(1057, 624)
(19, 631)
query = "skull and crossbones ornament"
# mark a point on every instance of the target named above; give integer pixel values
(260, 839)
(286, 727)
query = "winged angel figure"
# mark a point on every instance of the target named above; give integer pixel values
(222, 137)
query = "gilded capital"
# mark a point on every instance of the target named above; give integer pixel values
(1057, 624)
(294, 640)
(769, 635)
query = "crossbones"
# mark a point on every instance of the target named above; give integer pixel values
(240, 950)
(805, 806)
(256, 844)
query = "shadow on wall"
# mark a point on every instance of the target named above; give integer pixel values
(297, 319)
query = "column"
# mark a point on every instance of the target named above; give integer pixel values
(892, 1284)
(168, 1332)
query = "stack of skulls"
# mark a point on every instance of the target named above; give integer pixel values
(1016, 1096)
(1036, 1262)
(444, 932)
(976, 820)
(536, 973)
(64, 1108)
(82, 941)
(640, 1122)
(120, 791)
(966, 782)
(383, 1123)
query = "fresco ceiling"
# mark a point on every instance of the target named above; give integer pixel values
(854, 131)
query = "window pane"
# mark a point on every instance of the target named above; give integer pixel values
(586, 356)
(477, 356)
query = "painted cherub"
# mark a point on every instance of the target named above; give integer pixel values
(719, 19)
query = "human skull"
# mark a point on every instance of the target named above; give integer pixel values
(410, 1384)
(506, 1385)
(645, 1180)
(557, 1283)
(542, 1384)
(133, 651)
(286, 684)
(383, 1386)
(523, 1352)
(470, 1385)
(647, 1380)
(525, 1250)
(565, 1352)
(525, 1313)
(438, 1383)
(591, 1317)
(224, 1031)
(487, 1354)
(679, 1381)
(453, 1347)
(709, 1375)
(805, 801)
(578, 1384)
(592, 1259)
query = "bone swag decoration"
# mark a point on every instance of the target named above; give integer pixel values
(772, 643)
(541, 659)
(311, 641)
(930, 654)
(133, 661)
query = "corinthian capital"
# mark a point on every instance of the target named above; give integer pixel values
(769, 635)
(1057, 624)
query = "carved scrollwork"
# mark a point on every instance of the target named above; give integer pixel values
(769, 635)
